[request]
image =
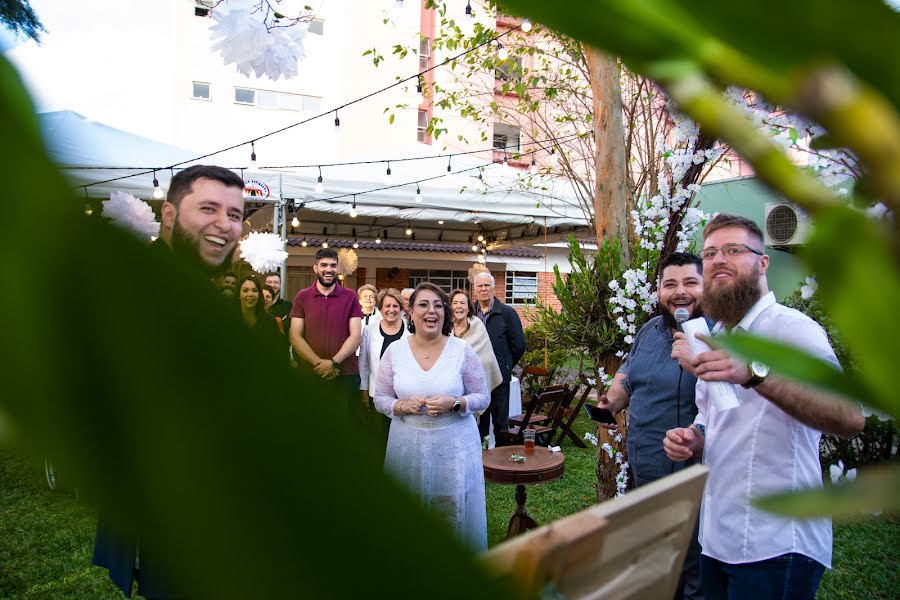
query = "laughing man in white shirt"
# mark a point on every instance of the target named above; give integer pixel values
(769, 443)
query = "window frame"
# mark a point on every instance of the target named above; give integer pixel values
(512, 288)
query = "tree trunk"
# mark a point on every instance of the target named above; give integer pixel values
(609, 137)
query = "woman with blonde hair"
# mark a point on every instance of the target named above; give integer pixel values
(367, 295)
(469, 328)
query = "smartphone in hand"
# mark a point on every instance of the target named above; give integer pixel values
(601, 415)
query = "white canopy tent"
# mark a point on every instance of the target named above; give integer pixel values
(91, 152)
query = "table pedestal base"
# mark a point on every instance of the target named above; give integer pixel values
(521, 521)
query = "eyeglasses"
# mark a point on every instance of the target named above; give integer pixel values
(425, 305)
(728, 251)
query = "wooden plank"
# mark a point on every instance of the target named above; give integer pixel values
(631, 547)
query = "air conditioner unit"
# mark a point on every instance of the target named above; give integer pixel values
(786, 225)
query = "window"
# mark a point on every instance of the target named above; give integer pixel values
(201, 91)
(506, 137)
(446, 280)
(276, 100)
(317, 27)
(422, 129)
(509, 69)
(201, 7)
(521, 287)
(244, 96)
(424, 53)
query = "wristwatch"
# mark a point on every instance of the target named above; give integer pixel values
(457, 405)
(758, 373)
(335, 364)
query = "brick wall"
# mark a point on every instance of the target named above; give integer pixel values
(391, 278)
(360, 277)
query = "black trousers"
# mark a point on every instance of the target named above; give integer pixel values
(498, 411)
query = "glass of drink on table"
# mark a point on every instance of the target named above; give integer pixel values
(528, 437)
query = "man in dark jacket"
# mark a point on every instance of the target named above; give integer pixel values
(201, 225)
(505, 330)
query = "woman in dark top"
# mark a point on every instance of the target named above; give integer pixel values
(253, 311)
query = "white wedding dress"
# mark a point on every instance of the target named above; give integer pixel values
(439, 458)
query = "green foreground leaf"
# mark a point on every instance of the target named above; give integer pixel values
(875, 489)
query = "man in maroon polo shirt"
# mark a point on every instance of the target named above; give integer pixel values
(326, 325)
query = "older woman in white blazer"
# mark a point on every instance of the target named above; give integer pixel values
(377, 336)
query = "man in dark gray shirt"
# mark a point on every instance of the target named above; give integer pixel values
(658, 392)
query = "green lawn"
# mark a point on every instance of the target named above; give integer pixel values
(46, 537)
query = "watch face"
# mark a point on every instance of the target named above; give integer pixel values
(758, 369)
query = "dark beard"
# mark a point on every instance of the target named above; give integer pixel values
(187, 249)
(326, 285)
(730, 304)
(669, 318)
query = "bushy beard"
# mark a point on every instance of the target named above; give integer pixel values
(729, 304)
(325, 284)
(187, 248)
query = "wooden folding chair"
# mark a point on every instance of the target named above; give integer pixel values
(566, 414)
(536, 417)
(552, 398)
(530, 375)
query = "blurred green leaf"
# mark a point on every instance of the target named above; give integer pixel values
(794, 363)
(133, 373)
(874, 489)
(859, 283)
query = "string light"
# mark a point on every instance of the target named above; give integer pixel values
(474, 248)
(303, 243)
(253, 155)
(502, 53)
(480, 238)
(377, 239)
(320, 187)
(533, 170)
(440, 222)
(88, 210)
(468, 10)
(295, 222)
(420, 97)
(418, 194)
(314, 117)
(505, 161)
(387, 175)
(353, 209)
(355, 243)
(554, 157)
(157, 191)
(325, 244)
(449, 168)
(337, 123)
(526, 25)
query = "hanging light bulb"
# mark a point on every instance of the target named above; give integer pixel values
(355, 243)
(353, 209)
(88, 210)
(157, 191)
(408, 230)
(468, 10)
(398, 4)
(252, 155)
(449, 168)
(387, 174)
(505, 161)
(533, 170)
(418, 194)
(480, 238)
(502, 53)
(320, 187)
(554, 157)
(377, 239)
(295, 222)
(337, 123)
(526, 25)
(325, 244)
(420, 97)
(474, 248)
(303, 243)
(440, 222)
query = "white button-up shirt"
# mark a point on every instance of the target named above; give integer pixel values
(758, 449)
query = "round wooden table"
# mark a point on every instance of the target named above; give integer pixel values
(539, 467)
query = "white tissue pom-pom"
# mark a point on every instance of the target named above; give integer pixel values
(244, 40)
(132, 214)
(347, 262)
(264, 251)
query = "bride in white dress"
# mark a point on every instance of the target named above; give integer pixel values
(431, 385)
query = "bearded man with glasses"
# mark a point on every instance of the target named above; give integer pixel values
(769, 443)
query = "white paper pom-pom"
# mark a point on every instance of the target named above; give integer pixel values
(347, 261)
(132, 214)
(264, 251)
(244, 40)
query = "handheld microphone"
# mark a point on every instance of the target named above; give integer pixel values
(681, 315)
